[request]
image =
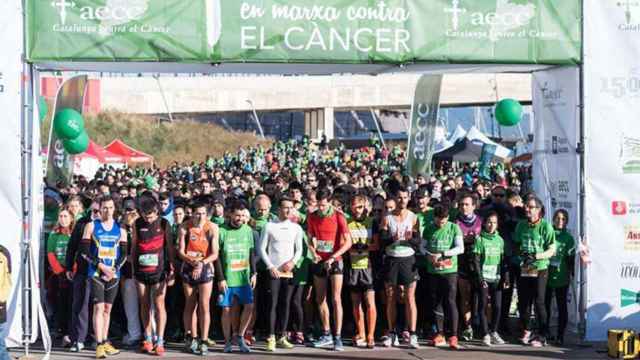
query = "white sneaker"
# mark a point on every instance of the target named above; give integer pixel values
(526, 337)
(486, 340)
(386, 341)
(496, 339)
(395, 342)
(413, 342)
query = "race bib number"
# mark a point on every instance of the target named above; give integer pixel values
(445, 264)
(239, 265)
(528, 271)
(325, 246)
(148, 260)
(554, 262)
(107, 252)
(490, 272)
(195, 254)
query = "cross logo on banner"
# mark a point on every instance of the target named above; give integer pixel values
(63, 5)
(627, 4)
(455, 10)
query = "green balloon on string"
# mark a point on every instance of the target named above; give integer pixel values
(43, 108)
(78, 145)
(68, 124)
(508, 112)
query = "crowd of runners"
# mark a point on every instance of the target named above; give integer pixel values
(294, 243)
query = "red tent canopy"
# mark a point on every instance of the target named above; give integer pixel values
(130, 154)
(104, 156)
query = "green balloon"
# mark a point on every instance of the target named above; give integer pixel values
(78, 145)
(68, 124)
(508, 112)
(43, 108)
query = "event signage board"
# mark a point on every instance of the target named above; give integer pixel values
(556, 166)
(332, 31)
(424, 119)
(612, 159)
(10, 175)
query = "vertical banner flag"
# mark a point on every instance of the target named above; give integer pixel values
(424, 118)
(556, 166)
(612, 165)
(11, 35)
(70, 96)
(488, 151)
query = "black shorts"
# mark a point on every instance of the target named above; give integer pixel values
(150, 279)
(205, 276)
(319, 270)
(103, 291)
(400, 271)
(360, 280)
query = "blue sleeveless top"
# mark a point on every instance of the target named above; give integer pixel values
(104, 246)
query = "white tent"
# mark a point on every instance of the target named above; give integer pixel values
(468, 148)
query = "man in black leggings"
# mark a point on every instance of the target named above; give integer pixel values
(280, 249)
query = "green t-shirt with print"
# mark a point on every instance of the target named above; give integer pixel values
(559, 264)
(534, 239)
(236, 246)
(439, 240)
(490, 248)
(57, 244)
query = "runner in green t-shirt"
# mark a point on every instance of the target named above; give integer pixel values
(443, 243)
(560, 271)
(492, 277)
(236, 274)
(534, 240)
(61, 287)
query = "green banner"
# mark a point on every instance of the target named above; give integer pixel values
(70, 96)
(335, 31)
(118, 30)
(424, 118)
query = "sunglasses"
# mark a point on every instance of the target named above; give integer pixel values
(499, 195)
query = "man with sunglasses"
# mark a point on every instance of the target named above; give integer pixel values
(152, 255)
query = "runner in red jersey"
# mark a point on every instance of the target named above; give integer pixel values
(330, 239)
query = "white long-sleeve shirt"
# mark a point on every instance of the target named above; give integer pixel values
(280, 242)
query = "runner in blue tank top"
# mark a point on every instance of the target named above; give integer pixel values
(103, 246)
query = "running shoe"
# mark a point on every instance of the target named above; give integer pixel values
(467, 334)
(486, 340)
(538, 341)
(244, 348)
(438, 341)
(101, 352)
(146, 347)
(453, 343)
(413, 341)
(211, 343)
(496, 339)
(406, 337)
(526, 337)
(110, 349)
(160, 350)
(324, 342)
(271, 343)
(337, 344)
(283, 343)
(204, 349)
(386, 340)
(298, 338)
(76, 347)
(249, 338)
(194, 347)
(358, 342)
(395, 342)
(371, 343)
(228, 347)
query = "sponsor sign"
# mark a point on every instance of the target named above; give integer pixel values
(359, 31)
(632, 237)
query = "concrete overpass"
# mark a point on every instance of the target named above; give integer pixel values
(318, 96)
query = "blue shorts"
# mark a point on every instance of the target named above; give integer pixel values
(244, 294)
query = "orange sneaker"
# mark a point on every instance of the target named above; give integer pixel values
(453, 343)
(438, 341)
(146, 347)
(160, 350)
